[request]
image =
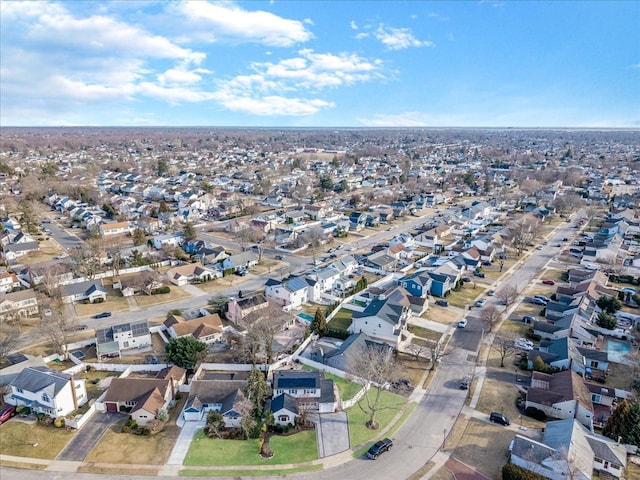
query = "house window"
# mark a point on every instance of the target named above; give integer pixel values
(45, 398)
(283, 418)
(125, 344)
(19, 390)
(596, 398)
(593, 364)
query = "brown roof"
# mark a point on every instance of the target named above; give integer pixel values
(548, 389)
(199, 327)
(171, 372)
(134, 389)
(151, 402)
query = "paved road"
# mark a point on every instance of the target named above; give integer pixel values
(88, 436)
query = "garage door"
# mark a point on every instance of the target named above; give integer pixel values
(112, 407)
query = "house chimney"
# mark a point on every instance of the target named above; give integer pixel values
(73, 393)
(575, 412)
(173, 388)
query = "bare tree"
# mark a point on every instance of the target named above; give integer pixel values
(491, 316)
(522, 232)
(504, 345)
(58, 327)
(264, 325)
(9, 339)
(376, 365)
(507, 294)
(313, 237)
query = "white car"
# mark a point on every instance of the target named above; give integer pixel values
(523, 344)
(481, 302)
(462, 323)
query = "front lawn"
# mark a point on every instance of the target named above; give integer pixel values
(174, 295)
(127, 448)
(390, 404)
(297, 448)
(115, 303)
(424, 333)
(18, 438)
(347, 388)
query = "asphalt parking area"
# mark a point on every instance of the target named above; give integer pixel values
(88, 436)
(332, 433)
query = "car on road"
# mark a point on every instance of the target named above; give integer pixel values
(442, 303)
(548, 281)
(464, 383)
(481, 302)
(543, 298)
(496, 417)
(462, 323)
(528, 319)
(242, 272)
(479, 274)
(102, 315)
(491, 293)
(540, 247)
(538, 301)
(6, 413)
(279, 257)
(379, 448)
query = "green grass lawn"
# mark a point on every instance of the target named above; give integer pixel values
(358, 432)
(425, 333)
(297, 448)
(18, 438)
(347, 389)
(342, 320)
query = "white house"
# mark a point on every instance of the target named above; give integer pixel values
(207, 329)
(47, 391)
(167, 240)
(91, 290)
(309, 388)
(125, 336)
(115, 228)
(8, 281)
(291, 293)
(384, 318)
(244, 259)
(23, 302)
(222, 396)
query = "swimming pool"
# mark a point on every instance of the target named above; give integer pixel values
(617, 347)
(306, 317)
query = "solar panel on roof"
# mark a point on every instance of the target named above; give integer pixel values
(140, 328)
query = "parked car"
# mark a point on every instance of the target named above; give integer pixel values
(538, 301)
(464, 383)
(481, 302)
(102, 315)
(442, 303)
(496, 417)
(528, 319)
(491, 293)
(548, 281)
(543, 298)
(479, 274)
(6, 413)
(279, 257)
(523, 344)
(379, 448)
(462, 323)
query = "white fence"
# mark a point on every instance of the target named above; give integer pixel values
(114, 273)
(79, 420)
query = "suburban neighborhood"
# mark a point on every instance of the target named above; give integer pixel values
(201, 302)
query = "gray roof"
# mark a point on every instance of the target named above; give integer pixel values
(82, 288)
(296, 379)
(284, 401)
(41, 379)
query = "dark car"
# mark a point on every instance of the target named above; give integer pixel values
(496, 417)
(442, 303)
(102, 315)
(528, 319)
(7, 412)
(464, 383)
(279, 257)
(479, 274)
(379, 448)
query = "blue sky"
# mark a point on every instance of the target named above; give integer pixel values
(321, 63)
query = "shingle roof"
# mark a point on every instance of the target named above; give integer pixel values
(37, 379)
(285, 379)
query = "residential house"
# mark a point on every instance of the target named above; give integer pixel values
(239, 308)
(561, 395)
(310, 389)
(8, 281)
(16, 250)
(47, 391)
(167, 240)
(284, 409)
(384, 318)
(111, 341)
(568, 450)
(91, 291)
(342, 355)
(140, 282)
(292, 292)
(218, 395)
(141, 398)
(417, 283)
(207, 329)
(115, 229)
(246, 259)
(23, 302)
(191, 272)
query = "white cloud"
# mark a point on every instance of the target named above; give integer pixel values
(181, 75)
(353, 25)
(405, 119)
(214, 21)
(399, 38)
(274, 105)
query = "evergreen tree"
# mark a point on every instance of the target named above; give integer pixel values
(624, 423)
(185, 352)
(189, 231)
(257, 390)
(319, 323)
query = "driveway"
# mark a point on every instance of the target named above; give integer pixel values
(181, 447)
(88, 436)
(332, 433)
